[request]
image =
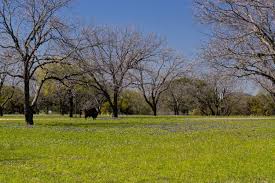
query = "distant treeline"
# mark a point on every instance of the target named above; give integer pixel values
(184, 97)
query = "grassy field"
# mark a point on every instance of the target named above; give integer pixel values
(137, 149)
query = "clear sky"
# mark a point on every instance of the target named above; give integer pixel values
(171, 19)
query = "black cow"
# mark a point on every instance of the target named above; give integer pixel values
(93, 112)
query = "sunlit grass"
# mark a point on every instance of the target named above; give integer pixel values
(138, 149)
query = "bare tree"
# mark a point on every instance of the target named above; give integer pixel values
(243, 36)
(110, 56)
(34, 33)
(155, 76)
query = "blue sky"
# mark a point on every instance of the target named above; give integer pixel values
(171, 19)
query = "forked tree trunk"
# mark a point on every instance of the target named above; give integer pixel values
(153, 106)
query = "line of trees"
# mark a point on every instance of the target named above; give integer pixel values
(185, 96)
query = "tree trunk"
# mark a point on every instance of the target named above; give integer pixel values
(60, 107)
(1, 111)
(212, 110)
(176, 105)
(218, 111)
(71, 103)
(27, 107)
(154, 108)
(115, 106)
(176, 110)
(47, 109)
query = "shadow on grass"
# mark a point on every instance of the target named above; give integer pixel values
(17, 160)
(96, 124)
(167, 126)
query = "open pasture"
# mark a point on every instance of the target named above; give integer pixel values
(137, 149)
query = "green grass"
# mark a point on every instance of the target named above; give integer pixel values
(137, 149)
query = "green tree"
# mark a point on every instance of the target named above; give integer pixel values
(262, 104)
(16, 103)
(214, 94)
(132, 102)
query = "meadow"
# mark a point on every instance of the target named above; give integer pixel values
(137, 149)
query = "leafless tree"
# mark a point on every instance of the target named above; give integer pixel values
(155, 76)
(243, 36)
(33, 31)
(110, 56)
